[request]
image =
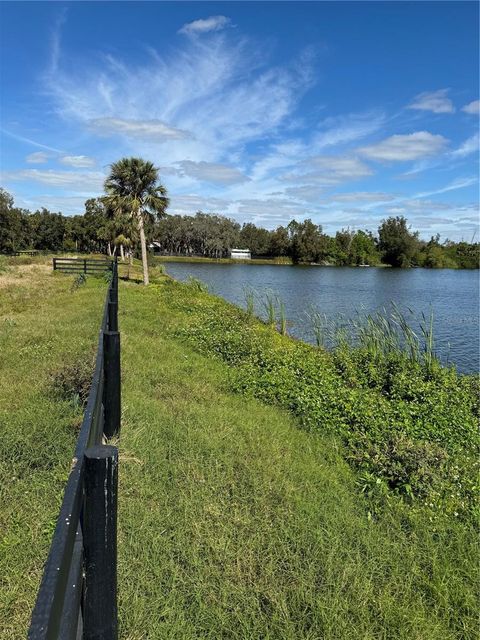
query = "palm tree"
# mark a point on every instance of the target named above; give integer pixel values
(133, 188)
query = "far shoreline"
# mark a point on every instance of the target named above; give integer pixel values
(286, 262)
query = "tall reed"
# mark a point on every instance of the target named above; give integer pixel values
(282, 317)
(270, 306)
(319, 323)
(274, 308)
(380, 333)
(249, 295)
(196, 284)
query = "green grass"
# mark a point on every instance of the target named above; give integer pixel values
(44, 330)
(234, 522)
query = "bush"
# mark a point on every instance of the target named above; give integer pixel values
(72, 381)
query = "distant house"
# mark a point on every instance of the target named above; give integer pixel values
(155, 246)
(240, 254)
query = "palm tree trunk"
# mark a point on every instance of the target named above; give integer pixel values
(130, 261)
(122, 253)
(143, 246)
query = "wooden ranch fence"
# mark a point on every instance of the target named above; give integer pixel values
(82, 265)
(26, 252)
(77, 598)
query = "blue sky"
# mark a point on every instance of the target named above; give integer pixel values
(342, 112)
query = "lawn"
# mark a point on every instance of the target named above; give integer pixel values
(46, 330)
(234, 522)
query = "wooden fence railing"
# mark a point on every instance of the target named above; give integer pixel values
(77, 598)
(23, 252)
(82, 265)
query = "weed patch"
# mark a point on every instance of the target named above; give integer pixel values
(72, 381)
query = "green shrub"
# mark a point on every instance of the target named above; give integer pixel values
(78, 281)
(73, 380)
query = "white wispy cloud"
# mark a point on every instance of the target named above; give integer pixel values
(79, 162)
(472, 107)
(218, 92)
(56, 40)
(399, 148)
(68, 205)
(218, 118)
(155, 130)
(306, 192)
(85, 182)
(362, 196)
(211, 172)
(435, 101)
(190, 203)
(349, 128)
(471, 145)
(205, 25)
(38, 157)
(447, 159)
(268, 212)
(458, 183)
(21, 138)
(330, 170)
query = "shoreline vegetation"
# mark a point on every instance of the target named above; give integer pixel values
(268, 488)
(109, 225)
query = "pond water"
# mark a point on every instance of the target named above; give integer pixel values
(452, 295)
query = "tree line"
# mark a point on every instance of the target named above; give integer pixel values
(124, 220)
(304, 242)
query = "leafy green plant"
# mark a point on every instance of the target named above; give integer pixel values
(402, 417)
(108, 276)
(3, 265)
(196, 284)
(78, 281)
(72, 381)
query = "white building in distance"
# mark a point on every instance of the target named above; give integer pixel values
(240, 254)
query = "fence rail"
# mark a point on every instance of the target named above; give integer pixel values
(77, 598)
(82, 265)
(23, 252)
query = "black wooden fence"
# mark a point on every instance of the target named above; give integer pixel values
(23, 252)
(77, 598)
(83, 265)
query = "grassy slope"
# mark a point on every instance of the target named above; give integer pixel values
(234, 523)
(43, 328)
(237, 524)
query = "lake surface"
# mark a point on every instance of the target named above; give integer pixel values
(453, 295)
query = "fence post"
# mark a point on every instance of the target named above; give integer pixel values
(54, 264)
(113, 300)
(100, 543)
(84, 265)
(114, 285)
(111, 388)
(112, 316)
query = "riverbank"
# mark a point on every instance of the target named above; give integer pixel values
(238, 517)
(315, 300)
(283, 260)
(280, 260)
